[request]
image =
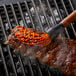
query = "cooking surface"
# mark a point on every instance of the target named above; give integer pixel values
(31, 15)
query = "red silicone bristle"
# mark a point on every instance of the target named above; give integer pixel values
(30, 37)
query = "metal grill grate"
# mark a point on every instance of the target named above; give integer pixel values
(40, 15)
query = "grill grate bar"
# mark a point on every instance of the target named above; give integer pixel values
(39, 70)
(32, 74)
(3, 60)
(50, 9)
(22, 66)
(14, 13)
(49, 73)
(68, 14)
(71, 5)
(29, 13)
(42, 67)
(21, 13)
(8, 49)
(7, 16)
(34, 63)
(14, 69)
(29, 64)
(44, 13)
(37, 15)
(3, 28)
(61, 18)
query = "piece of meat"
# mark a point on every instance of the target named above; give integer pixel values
(63, 56)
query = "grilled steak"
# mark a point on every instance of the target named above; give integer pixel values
(62, 55)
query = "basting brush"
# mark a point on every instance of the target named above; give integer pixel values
(36, 38)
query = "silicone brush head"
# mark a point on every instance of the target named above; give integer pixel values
(30, 36)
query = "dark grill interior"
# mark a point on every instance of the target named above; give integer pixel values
(39, 15)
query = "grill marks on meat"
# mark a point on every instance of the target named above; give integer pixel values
(63, 56)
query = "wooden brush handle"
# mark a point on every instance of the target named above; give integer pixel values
(70, 18)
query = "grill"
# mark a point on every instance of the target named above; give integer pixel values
(37, 14)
